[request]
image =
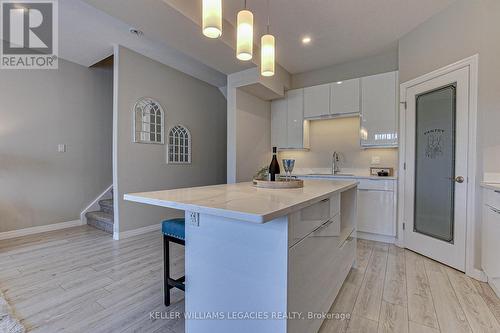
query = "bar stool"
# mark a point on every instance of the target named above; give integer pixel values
(173, 231)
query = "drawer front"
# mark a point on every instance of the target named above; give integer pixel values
(305, 221)
(376, 184)
(346, 256)
(492, 198)
(316, 269)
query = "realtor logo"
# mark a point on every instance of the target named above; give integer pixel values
(29, 31)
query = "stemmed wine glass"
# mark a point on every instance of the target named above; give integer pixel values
(288, 166)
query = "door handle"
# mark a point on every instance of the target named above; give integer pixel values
(459, 179)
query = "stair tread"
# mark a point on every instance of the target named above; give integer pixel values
(106, 202)
(100, 216)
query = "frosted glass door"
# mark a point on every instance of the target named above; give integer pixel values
(435, 163)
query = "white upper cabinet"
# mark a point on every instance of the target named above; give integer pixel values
(344, 97)
(298, 129)
(279, 123)
(317, 101)
(289, 130)
(379, 127)
(374, 98)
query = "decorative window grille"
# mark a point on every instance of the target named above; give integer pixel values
(148, 121)
(179, 145)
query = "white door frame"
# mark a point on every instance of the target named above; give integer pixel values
(472, 64)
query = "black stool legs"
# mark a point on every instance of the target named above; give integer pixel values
(166, 271)
(168, 282)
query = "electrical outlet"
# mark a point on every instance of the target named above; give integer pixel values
(375, 160)
(194, 219)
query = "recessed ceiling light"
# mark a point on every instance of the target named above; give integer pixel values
(136, 32)
(306, 40)
(339, 82)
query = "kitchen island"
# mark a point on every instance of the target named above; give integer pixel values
(263, 260)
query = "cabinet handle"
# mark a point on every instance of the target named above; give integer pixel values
(494, 209)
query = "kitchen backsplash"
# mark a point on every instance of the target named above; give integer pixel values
(340, 135)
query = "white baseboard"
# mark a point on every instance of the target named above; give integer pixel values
(40, 229)
(94, 205)
(478, 275)
(135, 232)
(376, 237)
(495, 285)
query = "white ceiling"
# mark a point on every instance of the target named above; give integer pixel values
(341, 30)
(87, 35)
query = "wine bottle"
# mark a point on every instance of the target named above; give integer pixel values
(274, 167)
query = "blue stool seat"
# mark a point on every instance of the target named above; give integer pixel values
(174, 228)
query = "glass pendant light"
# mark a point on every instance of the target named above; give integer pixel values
(267, 51)
(212, 18)
(244, 38)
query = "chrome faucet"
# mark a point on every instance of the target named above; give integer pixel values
(335, 163)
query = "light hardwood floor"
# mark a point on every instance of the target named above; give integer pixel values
(80, 280)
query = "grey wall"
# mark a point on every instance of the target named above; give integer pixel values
(464, 29)
(341, 135)
(41, 109)
(142, 167)
(253, 142)
(380, 63)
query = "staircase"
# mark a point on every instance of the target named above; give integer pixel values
(103, 218)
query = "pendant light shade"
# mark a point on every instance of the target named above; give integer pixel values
(212, 18)
(267, 55)
(244, 42)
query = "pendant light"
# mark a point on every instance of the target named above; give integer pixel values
(212, 18)
(244, 38)
(267, 51)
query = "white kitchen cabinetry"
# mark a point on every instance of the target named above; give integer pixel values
(289, 130)
(345, 97)
(322, 254)
(279, 131)
(376, 212)
(491, 237)
(379, 120)
(317, 101)
(376, 208)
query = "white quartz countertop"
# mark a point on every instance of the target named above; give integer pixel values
(346, 173)
(343, 176)
(242, 201)
(491, 186)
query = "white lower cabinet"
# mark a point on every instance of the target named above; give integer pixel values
(318, 267)
(319, 259)
(376, 213)
(491, 238)
(376, 209)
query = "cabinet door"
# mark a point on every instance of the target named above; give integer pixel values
(295, 123)
(491, 237)
(379, 126)
(376, 212)
(317, 101)
(344, 97)
(279, 123)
